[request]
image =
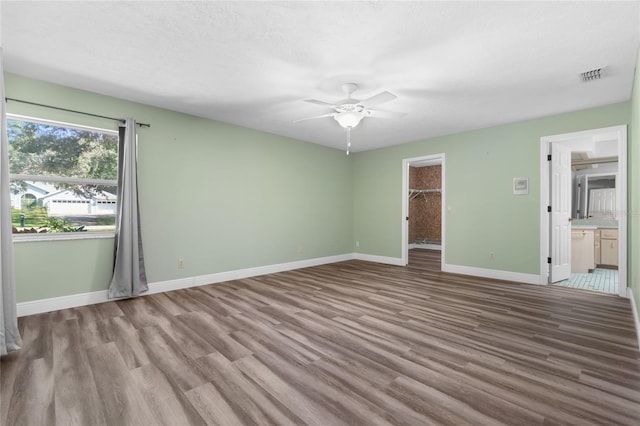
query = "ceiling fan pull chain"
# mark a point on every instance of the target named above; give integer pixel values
(348, 139)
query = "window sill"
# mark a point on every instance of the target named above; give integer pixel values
(62, 236)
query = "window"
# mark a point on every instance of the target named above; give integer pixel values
(63, 177)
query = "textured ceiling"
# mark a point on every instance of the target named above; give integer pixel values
(454, 66)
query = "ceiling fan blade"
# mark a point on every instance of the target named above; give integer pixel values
(385, 114)
(378, 99)
(315, 116)
(317, 102)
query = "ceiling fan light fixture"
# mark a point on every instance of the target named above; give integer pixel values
(350, 111)
(349, 119)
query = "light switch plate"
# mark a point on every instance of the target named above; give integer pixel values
(520, 186)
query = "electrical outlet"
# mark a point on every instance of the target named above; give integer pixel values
(180, 263)
(300, 250)
(357, 243)
(492, 255)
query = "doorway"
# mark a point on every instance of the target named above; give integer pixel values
(423, 200)
(586, 199)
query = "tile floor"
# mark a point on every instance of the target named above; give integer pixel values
(602, 280)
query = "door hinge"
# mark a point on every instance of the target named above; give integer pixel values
(549, 157)
(549, 260)
(548, 209)
(407, 218)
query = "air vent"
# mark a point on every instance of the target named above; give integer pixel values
(591, 75)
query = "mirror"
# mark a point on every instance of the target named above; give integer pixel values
(594, 192)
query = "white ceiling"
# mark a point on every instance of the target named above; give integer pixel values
(455, 66)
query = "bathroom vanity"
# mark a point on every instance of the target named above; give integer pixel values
(593, 243)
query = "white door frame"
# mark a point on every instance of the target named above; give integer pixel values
(436, 159)
(621, 198)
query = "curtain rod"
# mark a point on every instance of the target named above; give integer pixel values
(74, 111)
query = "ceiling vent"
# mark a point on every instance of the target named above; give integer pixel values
(595, 74)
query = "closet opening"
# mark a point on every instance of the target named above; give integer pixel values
(423, 200)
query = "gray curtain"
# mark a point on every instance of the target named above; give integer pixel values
(129, 278)
(9, 335)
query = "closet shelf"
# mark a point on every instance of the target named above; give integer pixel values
(414, 193)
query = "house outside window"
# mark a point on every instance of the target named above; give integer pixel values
(63, 177)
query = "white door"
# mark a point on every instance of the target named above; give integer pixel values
(560, 169)
(602, 203)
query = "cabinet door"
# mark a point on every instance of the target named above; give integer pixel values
(582, 250)
(609, 251)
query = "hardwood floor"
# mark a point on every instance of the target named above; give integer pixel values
(349, 343)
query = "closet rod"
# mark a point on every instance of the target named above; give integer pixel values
(122, 120)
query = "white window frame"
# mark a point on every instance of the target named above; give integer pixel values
(59, 179)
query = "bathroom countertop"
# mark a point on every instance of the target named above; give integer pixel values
(594, 223)
(583, 227)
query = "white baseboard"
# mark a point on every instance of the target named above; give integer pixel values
(75, 300)
(219, 277)
(63, 302)
(636, 316)
(425, 246)
(494, 274)
(378, 259)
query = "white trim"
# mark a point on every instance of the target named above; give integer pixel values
(636, 317)
(493, 274)
(62, 236)
(435, 160)
(544, 215)
(243, 273)
(621, 199)
(379, 259)
(64, 302)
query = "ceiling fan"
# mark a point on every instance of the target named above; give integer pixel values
(349, 112)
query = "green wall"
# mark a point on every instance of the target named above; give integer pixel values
(59, 268)
(484, 216)
(218, 196)
(634, 186)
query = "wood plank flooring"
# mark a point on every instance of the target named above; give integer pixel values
(351, 343)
